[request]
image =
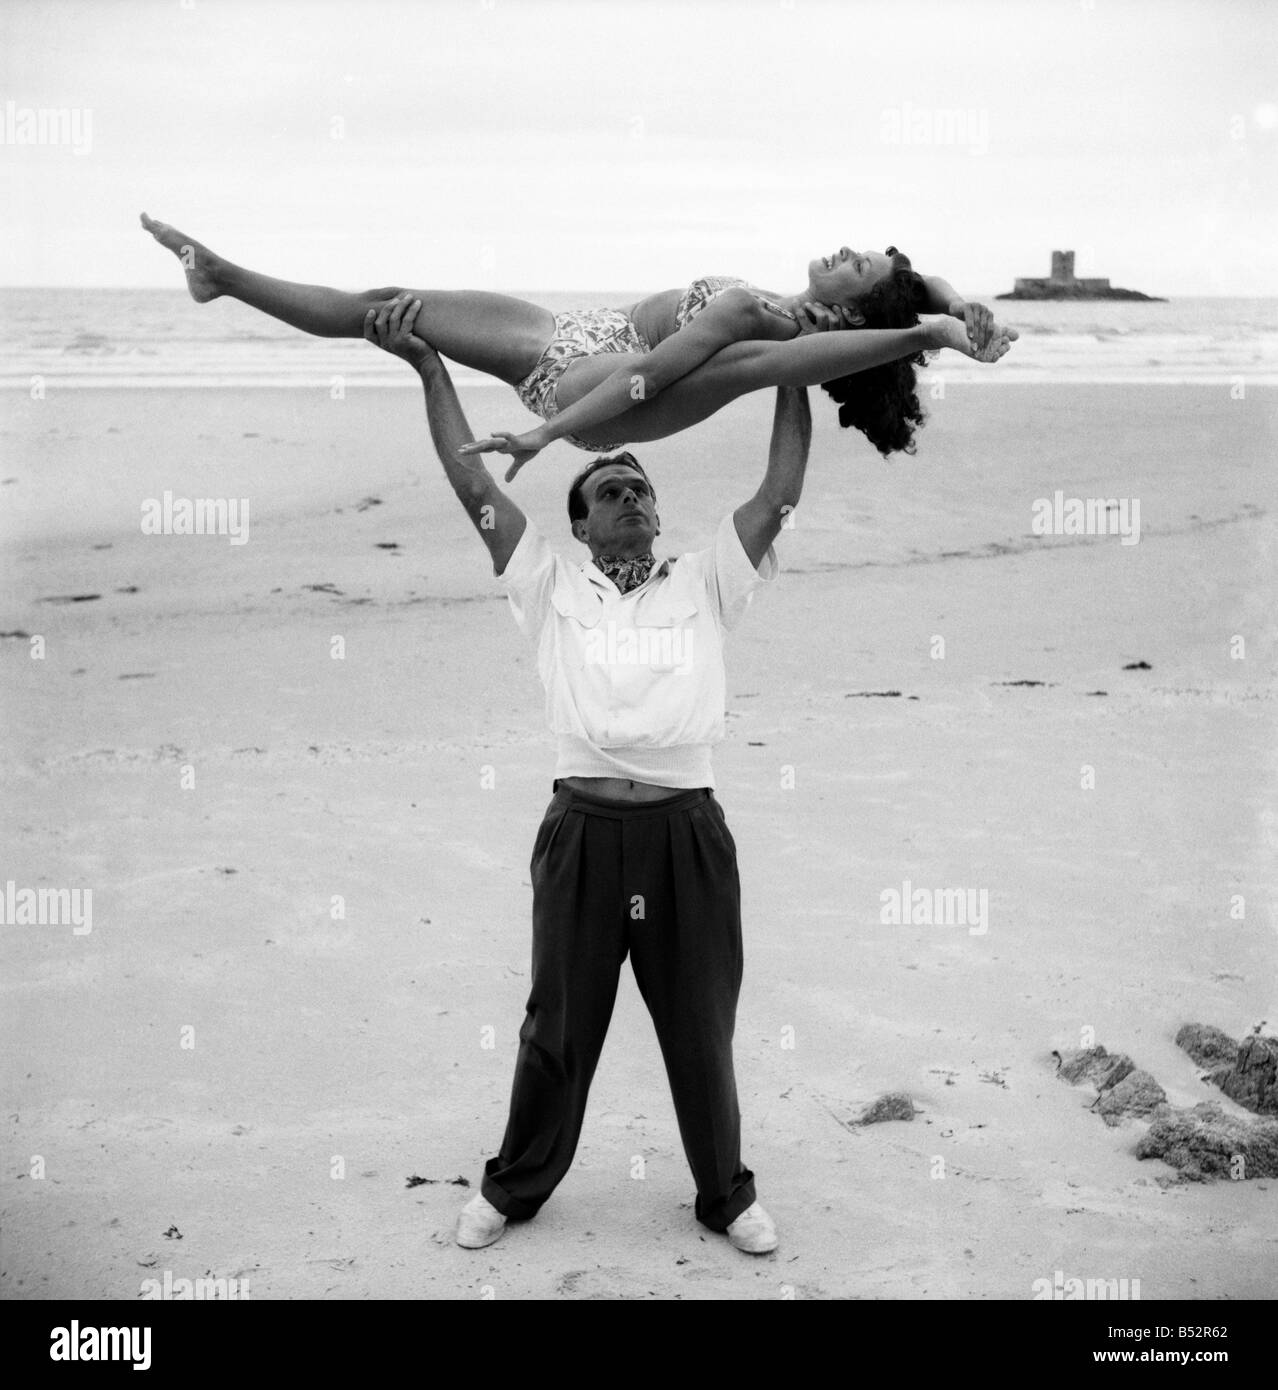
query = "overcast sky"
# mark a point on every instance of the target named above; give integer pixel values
(524, 144)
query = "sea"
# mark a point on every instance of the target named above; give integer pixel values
(78, 339)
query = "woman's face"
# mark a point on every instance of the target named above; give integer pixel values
(842, 278)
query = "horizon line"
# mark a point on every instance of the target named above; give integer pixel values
(591, 289)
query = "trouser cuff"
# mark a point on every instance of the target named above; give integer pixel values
(719, 1215)
(510, 1207)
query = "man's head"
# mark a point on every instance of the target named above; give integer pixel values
(613, 507)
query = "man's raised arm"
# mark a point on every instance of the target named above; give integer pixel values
(760, 519)
(496, 517)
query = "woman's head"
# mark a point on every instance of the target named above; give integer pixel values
(883, 402)
(847, 275)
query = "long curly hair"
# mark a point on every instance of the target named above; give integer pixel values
(882, 402)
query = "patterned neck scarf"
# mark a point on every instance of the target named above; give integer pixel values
(626, 572)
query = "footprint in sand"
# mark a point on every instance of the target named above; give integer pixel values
(602, 1283)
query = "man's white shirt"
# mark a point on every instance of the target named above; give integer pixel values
(635, 683)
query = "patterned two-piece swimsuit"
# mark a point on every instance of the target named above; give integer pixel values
(588, 332)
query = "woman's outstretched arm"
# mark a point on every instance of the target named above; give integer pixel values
(823, 357)
(734, 316)
(943, 298)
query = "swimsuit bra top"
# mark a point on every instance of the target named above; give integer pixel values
(704, 291)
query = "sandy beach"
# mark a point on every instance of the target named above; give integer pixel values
(189, 748)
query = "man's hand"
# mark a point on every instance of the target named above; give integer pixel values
(391, 328)
(495, 516)
(822, 318)
(977, 319)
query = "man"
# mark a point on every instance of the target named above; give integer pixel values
(634, 855)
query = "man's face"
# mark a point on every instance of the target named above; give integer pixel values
(621, 516)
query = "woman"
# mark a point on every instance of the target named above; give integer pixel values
(671, 359)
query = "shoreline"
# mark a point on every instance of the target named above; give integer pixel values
(964, 377)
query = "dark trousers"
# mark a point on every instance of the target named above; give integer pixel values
(658, 880)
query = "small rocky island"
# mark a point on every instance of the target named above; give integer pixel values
(1063, 284)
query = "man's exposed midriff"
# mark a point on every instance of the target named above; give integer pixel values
(619, 788)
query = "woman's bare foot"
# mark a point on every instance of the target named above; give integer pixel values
(199, 263)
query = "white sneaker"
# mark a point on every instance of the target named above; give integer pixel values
(753, 1231)
(479, 1224)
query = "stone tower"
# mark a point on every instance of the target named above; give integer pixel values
(1064, 285)
(1063, 266)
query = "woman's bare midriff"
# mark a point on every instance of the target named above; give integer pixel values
(654, 316)
(619, 788)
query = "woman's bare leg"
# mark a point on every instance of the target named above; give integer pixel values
(493, 333)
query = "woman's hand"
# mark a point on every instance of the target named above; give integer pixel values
(391, 328)
(814, 317)
(977, 319)
(945, 332)
(521, 447)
